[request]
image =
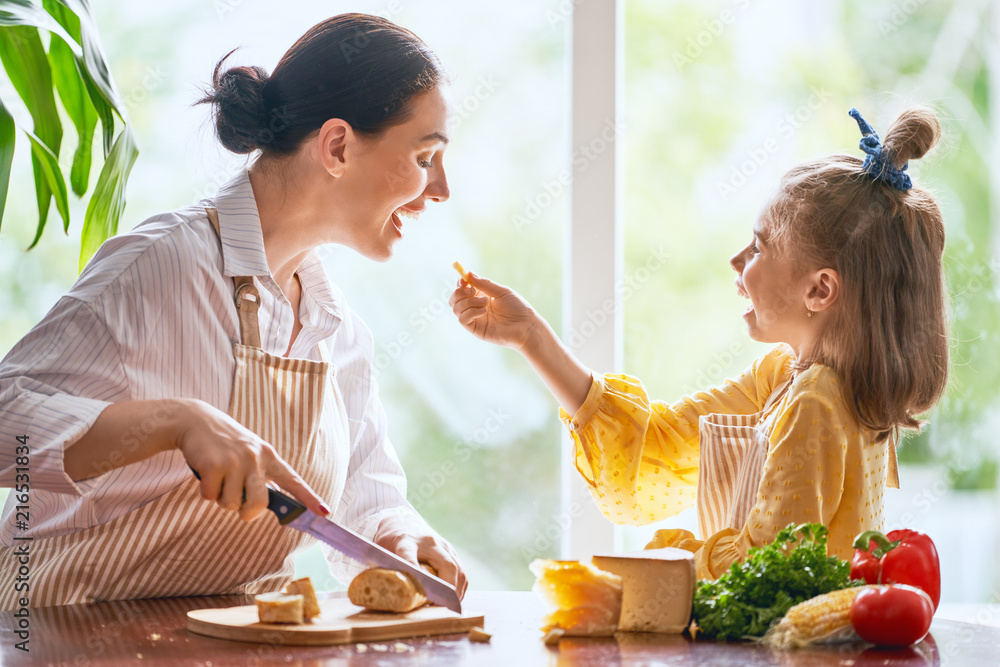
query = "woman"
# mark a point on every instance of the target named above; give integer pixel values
(146, 370)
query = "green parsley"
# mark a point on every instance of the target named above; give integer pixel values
(753, 594)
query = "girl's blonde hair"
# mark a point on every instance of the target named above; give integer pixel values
(887, 337)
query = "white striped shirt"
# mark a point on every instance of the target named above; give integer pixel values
(152, 316)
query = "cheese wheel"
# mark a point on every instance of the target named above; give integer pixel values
(380, 589)
(304, 587)
(657, 588)
(279, 608)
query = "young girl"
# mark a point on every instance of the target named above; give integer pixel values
(844, 274)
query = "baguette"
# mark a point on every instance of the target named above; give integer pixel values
(379, 589)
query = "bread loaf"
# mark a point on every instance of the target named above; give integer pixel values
(380, 589)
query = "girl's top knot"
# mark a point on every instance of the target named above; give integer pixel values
(877, 164)
(909, 138)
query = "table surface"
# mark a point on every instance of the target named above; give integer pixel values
(153, 633)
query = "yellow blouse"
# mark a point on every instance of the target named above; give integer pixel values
(640, 458)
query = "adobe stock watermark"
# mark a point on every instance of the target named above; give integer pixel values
(630, 284)
(425, 488)
(134, 437)
(152, 78)
(562, 12)
(552, 189)
(712, 29)
(419, 321)
(545, 539)
(487, 85)
(717, 370)
(784, 129)
(211, 185)
(900, 13)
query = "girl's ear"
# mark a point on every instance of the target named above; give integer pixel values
(823, 290)
(334, 141)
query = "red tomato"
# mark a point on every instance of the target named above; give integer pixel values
(894, 615)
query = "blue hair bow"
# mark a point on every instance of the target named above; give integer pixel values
(876, 164)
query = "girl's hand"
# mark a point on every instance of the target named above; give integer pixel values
(231, 460)
(494, 312)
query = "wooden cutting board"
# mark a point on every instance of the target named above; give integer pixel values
(339, 622)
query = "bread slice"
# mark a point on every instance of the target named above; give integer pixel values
(380, 589)
(279, 608)
(304, 587)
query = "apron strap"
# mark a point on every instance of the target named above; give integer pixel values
(777, 393)
(247, 297)
(892, 477)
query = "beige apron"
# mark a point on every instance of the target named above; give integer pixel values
(181, 544)
(732, 452)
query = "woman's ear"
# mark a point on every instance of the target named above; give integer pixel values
(334, 142)
(823, 290)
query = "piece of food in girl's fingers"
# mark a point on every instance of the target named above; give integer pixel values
(461, 271)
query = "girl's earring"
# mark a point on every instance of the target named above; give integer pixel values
(809, 313)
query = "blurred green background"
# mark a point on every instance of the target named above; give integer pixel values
(722, 97)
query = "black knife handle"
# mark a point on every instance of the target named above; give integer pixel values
(284, 507)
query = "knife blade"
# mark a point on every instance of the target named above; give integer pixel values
(293, 514)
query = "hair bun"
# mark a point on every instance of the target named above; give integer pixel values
(911, 135)
(237, 98)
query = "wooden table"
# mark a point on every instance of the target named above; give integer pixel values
(152, 632)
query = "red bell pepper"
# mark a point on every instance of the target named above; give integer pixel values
(901, 557)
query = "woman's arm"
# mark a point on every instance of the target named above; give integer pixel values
(229, 458)
(497, 314)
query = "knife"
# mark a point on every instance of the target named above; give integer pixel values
(293, 514)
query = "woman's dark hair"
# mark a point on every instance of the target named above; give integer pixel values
(360, 68)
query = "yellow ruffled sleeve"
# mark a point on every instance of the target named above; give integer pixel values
(639, 457)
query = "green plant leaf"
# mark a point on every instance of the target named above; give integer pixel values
(108, 200)
(27, 67)
(53, 175)
(27, 13)
(103, 92)
(75, 99)
(7, 137)
(72, 89)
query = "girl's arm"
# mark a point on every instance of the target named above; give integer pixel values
(499, 315)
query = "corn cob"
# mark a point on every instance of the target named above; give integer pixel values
(823, 619)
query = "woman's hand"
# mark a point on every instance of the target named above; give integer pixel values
(231, 460)
(411, 539)
(494, 312)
